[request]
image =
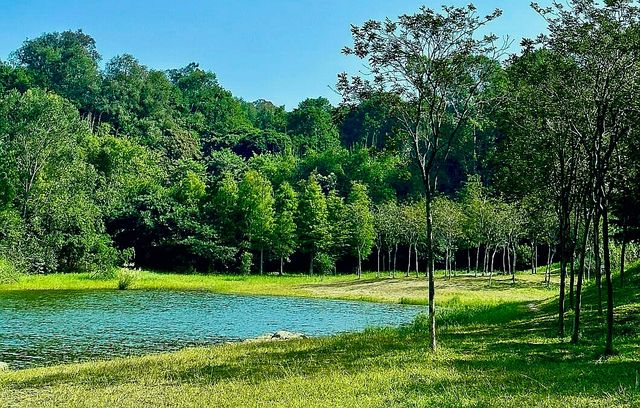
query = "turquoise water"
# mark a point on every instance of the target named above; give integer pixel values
(48, 327)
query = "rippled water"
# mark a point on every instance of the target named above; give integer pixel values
(47, 327)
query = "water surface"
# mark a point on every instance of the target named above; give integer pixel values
(47, 327)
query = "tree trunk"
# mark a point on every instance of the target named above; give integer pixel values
(408, 262)
(623, 250)
(504, 262)
(378, 259)
(533, 263)
(395, 259)
(547, 270)
(468, 261)
(311, 264)
(608, 350)
(415, 250)
(571, 280)
(596, 254)
(430, 264)
(575, 336)
(491, 269)
(446, 263)
(477, 261)
(359, 264)
(261, 260)
(564, 226)
(513, 267)
(281, 265)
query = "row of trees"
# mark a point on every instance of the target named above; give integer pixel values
(564, 111)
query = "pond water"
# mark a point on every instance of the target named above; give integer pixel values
(47, 327)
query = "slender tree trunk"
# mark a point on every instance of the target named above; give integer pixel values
(430, 265)
(504, 262)
(446, 263)
(575, 336)
(571, 280)
(378, 259)
(261, 260)
(395, 259)
(415, 248)
(359, 264)
(485, 270)
(468, 261)
(564, 227)
(492, 262)
(536, 259)
(513, 267)
(607, 271)
(533, 263)
(623, 250)
(547, 270)
(408, 262)
(281, 265)
(477, 261)
(596, 254)
(311, 264)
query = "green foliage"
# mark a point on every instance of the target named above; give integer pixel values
(66, 63)
(312, 222)
(311, 125)
(361, 224)
(284, 232)
(256, 203)
(126, 278)
(246, 261)
(8, 272)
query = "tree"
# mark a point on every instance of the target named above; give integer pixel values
(257, 206)
(284, 231)
(339, 224)
(312, 219)
(602, 45)
(439, 69)
(448, 222)
(66, 63)
(311, 125)
(361, 227)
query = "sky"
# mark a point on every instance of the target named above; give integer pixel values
(280, 50)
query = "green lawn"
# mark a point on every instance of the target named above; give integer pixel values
(496, 349)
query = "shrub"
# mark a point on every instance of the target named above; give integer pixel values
(8, 272)
(323, 263)
(245, 263)
(126, 278)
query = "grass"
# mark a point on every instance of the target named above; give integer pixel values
(498, 347)
(412, 290)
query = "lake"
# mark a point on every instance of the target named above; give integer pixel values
(47, 327)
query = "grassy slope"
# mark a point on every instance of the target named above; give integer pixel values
(501, 352)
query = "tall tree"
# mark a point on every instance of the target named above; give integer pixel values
(257, 204)
(312, 219)
(361, 228)
(440, 68)
(284, 231)
(64, 62)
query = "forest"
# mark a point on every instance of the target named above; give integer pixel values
(454, 154)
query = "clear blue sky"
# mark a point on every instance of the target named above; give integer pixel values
(280, 50)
